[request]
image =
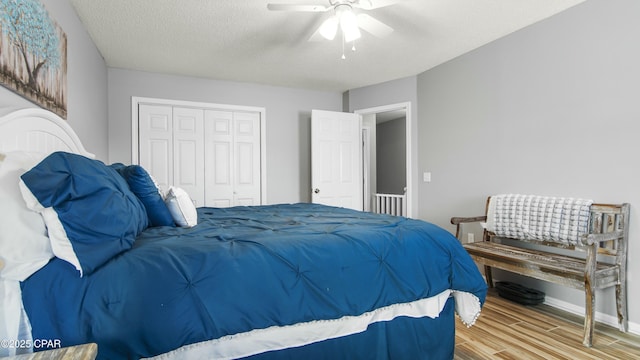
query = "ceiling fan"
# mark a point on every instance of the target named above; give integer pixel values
(343, 18)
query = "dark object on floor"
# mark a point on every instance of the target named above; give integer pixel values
(520, 294)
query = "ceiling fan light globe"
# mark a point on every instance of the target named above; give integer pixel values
(329, 28)
(349, 25)
(352, 34)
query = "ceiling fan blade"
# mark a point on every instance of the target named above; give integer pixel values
(374, 4)
(296, 7)
(373, 26)
(316, 36)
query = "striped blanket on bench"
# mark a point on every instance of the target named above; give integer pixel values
(531, 217)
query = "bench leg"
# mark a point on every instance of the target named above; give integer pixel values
(590, 294)
(621, 305)
(488, 276)
(589, 319)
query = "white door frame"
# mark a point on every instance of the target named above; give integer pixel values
(137, 100)
(409, 151)
(366, 178)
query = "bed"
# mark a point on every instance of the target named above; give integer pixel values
(283, 281)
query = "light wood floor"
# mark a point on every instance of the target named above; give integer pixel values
(506, 330)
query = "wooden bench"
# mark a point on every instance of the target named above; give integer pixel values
(598, 262)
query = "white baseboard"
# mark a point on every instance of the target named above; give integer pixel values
(634, 328)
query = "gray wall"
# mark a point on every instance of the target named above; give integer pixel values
(549, 110)
(288, 113)
(391, 156)
(390, 92)
(86, 82)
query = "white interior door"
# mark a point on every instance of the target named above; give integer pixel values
(232, 158)
(156, 142)
(218, 143)
(188, 152)
(215, 152)
(247, 153)
(336, 159)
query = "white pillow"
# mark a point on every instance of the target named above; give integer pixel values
(24, 244)
(181, 207)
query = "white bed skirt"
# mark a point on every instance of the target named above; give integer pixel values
(283, 337)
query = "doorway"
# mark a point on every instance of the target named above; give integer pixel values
(387, 170)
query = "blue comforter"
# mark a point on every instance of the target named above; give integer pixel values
(244, 268)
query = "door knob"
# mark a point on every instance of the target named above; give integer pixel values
(316, 190)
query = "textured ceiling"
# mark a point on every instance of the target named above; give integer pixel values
(241, 40)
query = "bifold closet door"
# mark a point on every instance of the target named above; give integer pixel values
(214, 155)
(155, 142)
(171, 147)
(188, 152)
(232, 158)
(247, 158)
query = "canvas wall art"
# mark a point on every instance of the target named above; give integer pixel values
(33, 54)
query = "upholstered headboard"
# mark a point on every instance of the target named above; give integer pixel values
(37, 130)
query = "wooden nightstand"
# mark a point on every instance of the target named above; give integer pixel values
(78, 352)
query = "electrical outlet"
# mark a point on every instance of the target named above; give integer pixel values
(470, 237)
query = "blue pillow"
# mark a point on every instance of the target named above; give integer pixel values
(90, 213)
(145, 189)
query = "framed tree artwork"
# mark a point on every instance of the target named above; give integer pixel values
(33, 54)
